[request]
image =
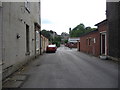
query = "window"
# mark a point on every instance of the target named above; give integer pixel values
(94, 40)
(37, 40)
(88, 40)
(27, 5)
(27, 40)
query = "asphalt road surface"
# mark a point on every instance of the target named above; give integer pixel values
(68, 68)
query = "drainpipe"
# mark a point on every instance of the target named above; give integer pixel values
(40, 44)
(1, 34)
(35, 39)
(40, 25)
(1, 43)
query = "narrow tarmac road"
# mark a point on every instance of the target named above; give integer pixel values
(68, 68)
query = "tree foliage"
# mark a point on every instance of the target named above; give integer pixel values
(80, 30)
(65, 41)
(57, 41)
(54, 40)
(46, 34)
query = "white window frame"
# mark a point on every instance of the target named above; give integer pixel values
(94, 40)
(37, 41)
(27, 5)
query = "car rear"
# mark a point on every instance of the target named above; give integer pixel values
(51, 48)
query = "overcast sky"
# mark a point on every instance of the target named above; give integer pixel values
(60, 15)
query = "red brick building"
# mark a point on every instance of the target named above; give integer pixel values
(103, 34)
(95, 42)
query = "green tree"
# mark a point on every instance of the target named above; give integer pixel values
(80, 30)
(46, 34)
(65, 41)
(57, 41)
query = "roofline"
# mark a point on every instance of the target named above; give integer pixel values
(101, 22)
(73, 37)
(44, 36)
(89, 32)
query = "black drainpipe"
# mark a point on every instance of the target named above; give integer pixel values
(40, 25)
(40, 44)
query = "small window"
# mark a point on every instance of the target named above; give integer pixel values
(37, 40)
(88, 41)
(94, 40)
(27, 5)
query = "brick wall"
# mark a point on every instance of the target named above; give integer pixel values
(103, 27)
(90, 43)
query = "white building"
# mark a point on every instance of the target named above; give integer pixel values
(73, 40)
(19, 34)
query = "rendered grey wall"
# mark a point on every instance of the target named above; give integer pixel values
(15, 18)
(0, 47)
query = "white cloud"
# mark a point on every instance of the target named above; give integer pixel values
(69, 13)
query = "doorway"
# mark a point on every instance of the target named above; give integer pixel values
(103, 44)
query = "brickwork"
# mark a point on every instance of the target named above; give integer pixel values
(91, 42)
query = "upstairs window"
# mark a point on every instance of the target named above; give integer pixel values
(27, 5)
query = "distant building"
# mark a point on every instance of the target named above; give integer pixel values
(72, 42)
(64, 36)
(44, 43)
(73, 39)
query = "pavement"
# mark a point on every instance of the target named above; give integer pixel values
(67, 68)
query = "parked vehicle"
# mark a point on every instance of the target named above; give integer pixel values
(51, 48)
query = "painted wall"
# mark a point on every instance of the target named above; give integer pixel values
(0, 46)
(15, 19)
(44, 43)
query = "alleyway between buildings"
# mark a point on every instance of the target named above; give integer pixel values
(68, 68)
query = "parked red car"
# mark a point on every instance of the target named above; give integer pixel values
(51, 48)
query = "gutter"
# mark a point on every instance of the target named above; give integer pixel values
(1, 42)
(40, 25)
